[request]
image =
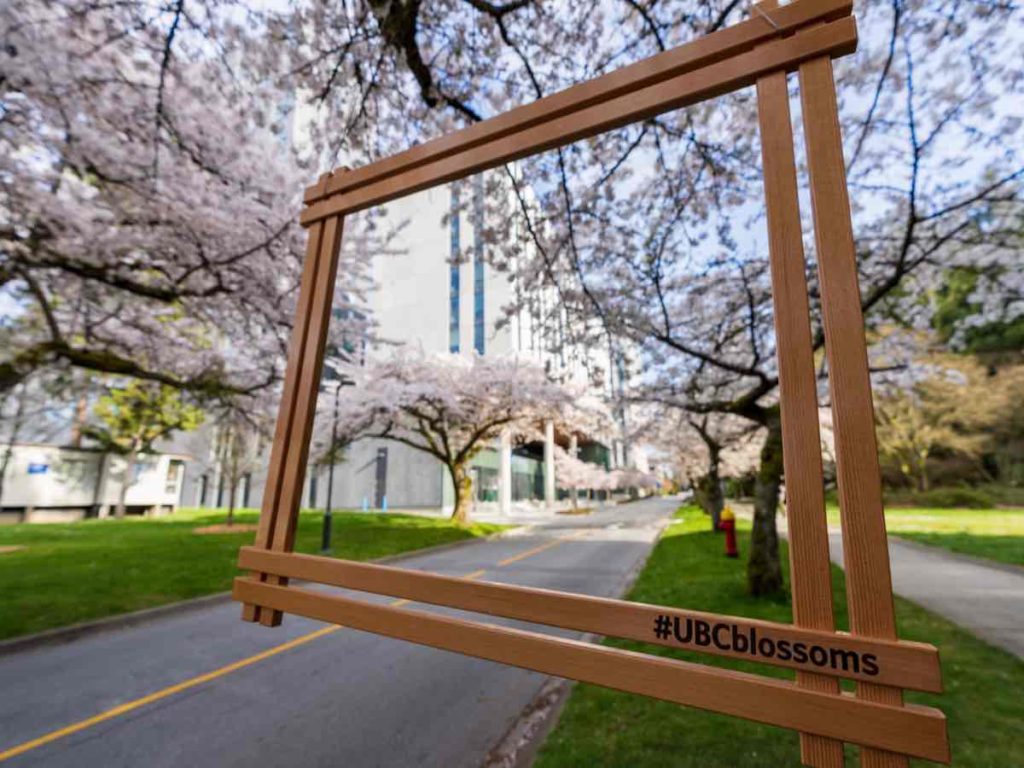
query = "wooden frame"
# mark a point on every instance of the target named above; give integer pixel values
(800, 37)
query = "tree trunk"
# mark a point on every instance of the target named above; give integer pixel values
(764, 572)
(232, 477)
(8, 452)
(121, 508)
(922, 473)
(81, 417)
(463, 485)
(19, 418)
(708, 493)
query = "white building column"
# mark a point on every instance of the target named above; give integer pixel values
(574, 450)
(549, 464)
(505, 473)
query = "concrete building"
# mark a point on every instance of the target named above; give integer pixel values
(439, 293)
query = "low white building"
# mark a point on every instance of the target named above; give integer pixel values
(50, 483)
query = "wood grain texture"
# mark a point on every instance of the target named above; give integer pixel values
(283, 429)
(810, 567)
(801, 36)
(865, 546)
(293, 472)
(835, 38)
(910, 665)
(918, 731)
(697, 53)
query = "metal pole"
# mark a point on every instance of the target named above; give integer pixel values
(325, 542)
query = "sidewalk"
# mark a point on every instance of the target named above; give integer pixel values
(985, 599)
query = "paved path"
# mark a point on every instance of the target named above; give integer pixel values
(987, 600)
(229, 693)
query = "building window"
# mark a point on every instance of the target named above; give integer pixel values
(140, 467)
(453, 273)
(174, 471)
(478, 264)
(353, 336)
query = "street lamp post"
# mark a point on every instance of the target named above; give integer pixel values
(325, 538)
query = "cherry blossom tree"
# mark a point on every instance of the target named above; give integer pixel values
(647, 233)
(148, 198)
(703, 450)
(644, 231)
(239, 443)
(449, 406)
(577, 475)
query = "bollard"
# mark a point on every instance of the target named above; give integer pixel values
(728, 525)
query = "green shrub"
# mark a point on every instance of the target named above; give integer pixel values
(741, 487)
(969, 498)
(1010, 495)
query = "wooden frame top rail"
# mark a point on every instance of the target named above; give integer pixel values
(721, 62)
(700, 52)
(912, 730)
(904, 664)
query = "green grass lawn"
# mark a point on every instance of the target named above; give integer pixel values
(600, 727)
(996, 534)
(67, 573)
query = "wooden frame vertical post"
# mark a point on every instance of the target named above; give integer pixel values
(865, 546)
(283, 429)
(810, 569)
(306, 397)
(290, 451)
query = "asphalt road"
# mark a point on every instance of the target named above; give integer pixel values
(203, 688)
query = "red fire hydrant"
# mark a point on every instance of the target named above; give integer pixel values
(728, 524)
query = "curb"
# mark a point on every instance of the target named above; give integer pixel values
(61, 635)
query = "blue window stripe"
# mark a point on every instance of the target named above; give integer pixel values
(478, 264)
(453, 274)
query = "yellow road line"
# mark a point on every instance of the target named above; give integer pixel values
(538, 550)
(163, 693)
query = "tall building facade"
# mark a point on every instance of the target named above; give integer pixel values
(436, 290)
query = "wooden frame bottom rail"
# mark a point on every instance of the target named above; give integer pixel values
(904, 664)
(911, 730)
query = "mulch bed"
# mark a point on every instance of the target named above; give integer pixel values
(207, 530)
